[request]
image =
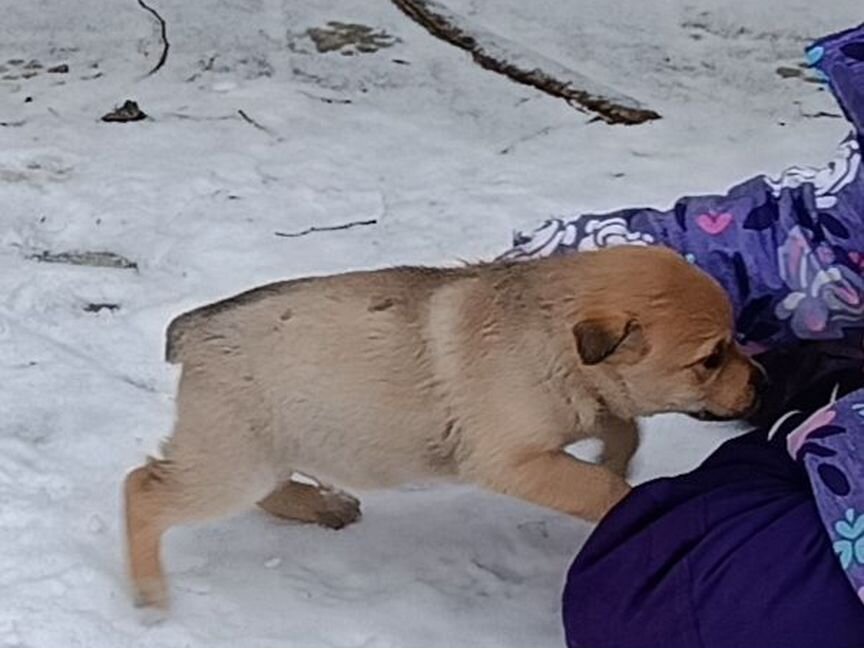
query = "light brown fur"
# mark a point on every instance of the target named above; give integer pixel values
(480, 375)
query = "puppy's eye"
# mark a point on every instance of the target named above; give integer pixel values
(714, 360)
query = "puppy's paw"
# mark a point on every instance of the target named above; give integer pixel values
(151, 616)
(338, 510)
(300, 502)
(617, 490)
(620, 489)
(151, 598)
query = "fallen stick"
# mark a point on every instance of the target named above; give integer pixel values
(327, 228)
(163, 31)
(257, 125)
(503, 56)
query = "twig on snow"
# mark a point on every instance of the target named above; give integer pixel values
(820, 113)
(328, 228)
(503, 56)
(202, 118)
(510, 147)
(254, 123)
(327, 100)
(163, 29)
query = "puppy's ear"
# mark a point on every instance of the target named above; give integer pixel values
(600, 338)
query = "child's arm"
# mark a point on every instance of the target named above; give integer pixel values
(789, 250)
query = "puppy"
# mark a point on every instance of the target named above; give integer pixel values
(478, 375)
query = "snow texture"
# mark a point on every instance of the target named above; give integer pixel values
(160, 215)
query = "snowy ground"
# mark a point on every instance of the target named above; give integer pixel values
(447, 157)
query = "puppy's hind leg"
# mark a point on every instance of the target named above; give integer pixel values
(215, 464)
(145, 524)
(327, 507)
(162, 494)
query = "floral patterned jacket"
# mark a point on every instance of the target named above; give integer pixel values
(790, 251)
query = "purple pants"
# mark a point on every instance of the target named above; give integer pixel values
(763, 545)
(731, 555)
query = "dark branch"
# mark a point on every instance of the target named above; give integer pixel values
(186, 117)
(254, 123)
(328, 228)
(491, 52)
(163, 28)
(327, 100)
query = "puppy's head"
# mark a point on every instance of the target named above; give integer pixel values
(660, 339)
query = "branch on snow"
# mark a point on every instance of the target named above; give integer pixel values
(328, 228)
(505, 57)
(163, 29)
(254, 123)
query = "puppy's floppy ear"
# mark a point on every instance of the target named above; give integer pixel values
(601, 337)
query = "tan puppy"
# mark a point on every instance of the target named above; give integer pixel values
(479, 375)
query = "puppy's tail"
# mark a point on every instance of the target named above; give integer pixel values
(176, 336)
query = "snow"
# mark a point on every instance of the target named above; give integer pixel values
(449, 159)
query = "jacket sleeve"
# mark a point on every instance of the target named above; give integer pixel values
(788, 249)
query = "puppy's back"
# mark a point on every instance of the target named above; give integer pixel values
(403, 289)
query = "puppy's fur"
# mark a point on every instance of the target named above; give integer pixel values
(480, 375)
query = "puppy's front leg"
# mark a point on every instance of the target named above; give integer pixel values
(620, 439)
(559, 481)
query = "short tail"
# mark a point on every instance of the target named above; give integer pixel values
(175, 335)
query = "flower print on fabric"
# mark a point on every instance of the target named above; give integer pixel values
(714, 224)
(611, 232)
(857, 260)
(556, 234)
(545, 239)
(827, 181)
(850, 545)
(817, 426)
(807, 441)
(824, 297)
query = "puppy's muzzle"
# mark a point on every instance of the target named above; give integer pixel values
(757, 383)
